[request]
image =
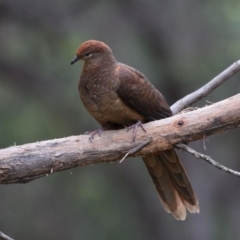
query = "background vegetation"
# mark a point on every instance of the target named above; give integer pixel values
(179, 45)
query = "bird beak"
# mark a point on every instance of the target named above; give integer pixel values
(74, 60)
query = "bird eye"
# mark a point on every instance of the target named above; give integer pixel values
(87, 54)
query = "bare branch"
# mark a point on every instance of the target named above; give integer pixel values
(206, 89)
(4, 237)
(207, 159)
(20, 164)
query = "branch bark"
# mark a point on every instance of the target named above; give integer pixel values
(20, 164)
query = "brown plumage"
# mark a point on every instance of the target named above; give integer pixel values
(117, 96)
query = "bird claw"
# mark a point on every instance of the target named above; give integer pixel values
(135, 127)
(93, 133)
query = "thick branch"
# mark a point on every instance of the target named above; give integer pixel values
(206, 89)
(30, 161)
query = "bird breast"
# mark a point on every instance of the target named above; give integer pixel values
(103, 103)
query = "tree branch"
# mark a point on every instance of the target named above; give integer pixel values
(4, 237)
(207, 159)
(206, 89)
(20, 164)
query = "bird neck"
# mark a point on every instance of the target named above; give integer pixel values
(101, 65)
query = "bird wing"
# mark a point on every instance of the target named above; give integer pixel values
(139, 94)
(166, 171)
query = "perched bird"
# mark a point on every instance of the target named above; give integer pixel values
(118, 96)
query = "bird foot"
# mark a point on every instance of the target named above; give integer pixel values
(93, 133)
(135, 127)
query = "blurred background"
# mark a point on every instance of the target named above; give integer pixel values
(179, 46)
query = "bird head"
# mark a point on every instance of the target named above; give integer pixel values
(92, 50)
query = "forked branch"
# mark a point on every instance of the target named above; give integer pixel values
(20, 164)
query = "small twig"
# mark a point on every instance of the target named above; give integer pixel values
(204, 142)
(209, 103)
(206, 89)
(135, 149)
(207, 158)
(4, 237)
